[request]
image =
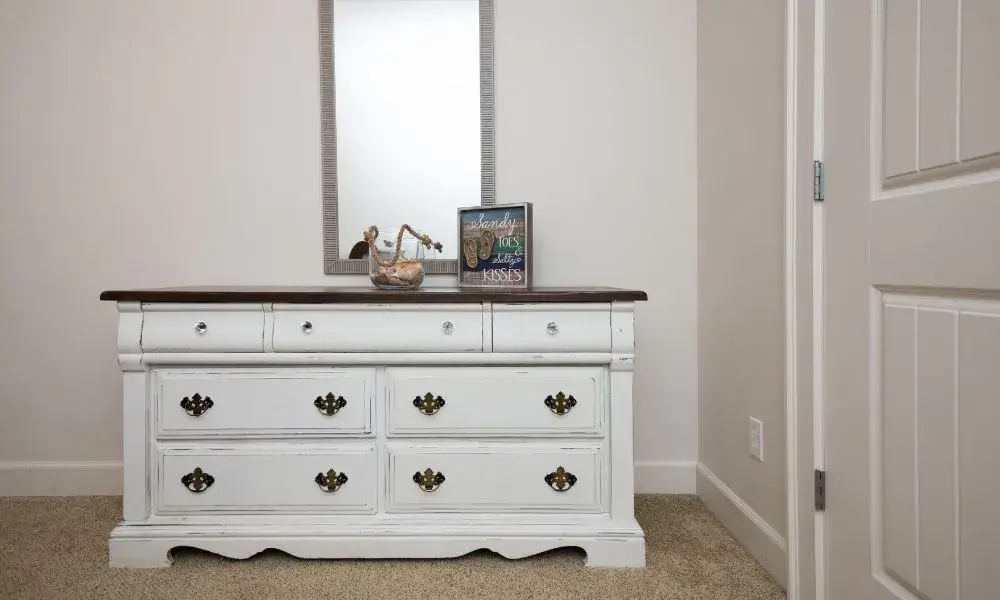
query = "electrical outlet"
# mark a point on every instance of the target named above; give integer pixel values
(756, 439)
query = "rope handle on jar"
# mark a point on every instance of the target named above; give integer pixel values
(372, 232)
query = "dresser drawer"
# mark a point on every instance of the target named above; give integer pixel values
(248, 402)
(389, 328)
(496, 478)
(497, 401)
(203, 328)
(582, 327)
(267, 479)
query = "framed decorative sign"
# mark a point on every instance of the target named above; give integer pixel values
(495, 246)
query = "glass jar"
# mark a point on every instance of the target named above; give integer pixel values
(389, 272)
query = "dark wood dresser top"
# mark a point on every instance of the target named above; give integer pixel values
(369, 294)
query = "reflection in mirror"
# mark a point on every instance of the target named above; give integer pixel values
(407, 110)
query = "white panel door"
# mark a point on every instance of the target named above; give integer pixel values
(912, 302)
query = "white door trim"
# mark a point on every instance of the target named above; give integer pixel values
(791, 298)
(803, 296)
(818, 297)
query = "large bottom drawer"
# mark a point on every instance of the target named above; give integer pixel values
(498, 477)
(290, 478)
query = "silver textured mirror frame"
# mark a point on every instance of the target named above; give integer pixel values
(333, 264)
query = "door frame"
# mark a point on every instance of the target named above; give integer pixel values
(803, 297)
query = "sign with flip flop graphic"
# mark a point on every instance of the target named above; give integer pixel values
(495, 246)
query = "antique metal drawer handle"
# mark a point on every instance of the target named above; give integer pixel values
(560, 480)
(329, 405)
(197, 481)
(330, 481)
(429, 404)
(196, 405)
(200, 327)
(561, 404)
(428, 481)
(552, 328)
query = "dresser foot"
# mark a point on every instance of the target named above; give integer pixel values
(139, 553)
(615, 553)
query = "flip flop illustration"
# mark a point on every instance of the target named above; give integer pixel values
(470, 251)
(486, 244)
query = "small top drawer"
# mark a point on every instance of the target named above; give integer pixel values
(203, 328)
(581, 327)
(378, 328)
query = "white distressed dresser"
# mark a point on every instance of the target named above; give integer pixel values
(360, 423)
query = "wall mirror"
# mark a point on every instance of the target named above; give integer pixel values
(407, 122)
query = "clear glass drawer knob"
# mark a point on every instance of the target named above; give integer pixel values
(307, 327)
(200, 327)
(552, 328)
(448, 326)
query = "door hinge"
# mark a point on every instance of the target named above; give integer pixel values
(818, 180)
(819, 480)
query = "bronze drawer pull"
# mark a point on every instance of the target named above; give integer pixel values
(428, 404)
(197, 481)
(561, 480)
(196, 405)
(331, 480)
(428, 481)
(329, 405)
(561, 404)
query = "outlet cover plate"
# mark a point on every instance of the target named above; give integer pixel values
(756, 439)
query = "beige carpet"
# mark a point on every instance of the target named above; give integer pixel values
(57, 548)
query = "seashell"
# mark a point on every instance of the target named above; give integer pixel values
(409, 270)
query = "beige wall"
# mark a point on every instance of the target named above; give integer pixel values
(177, 142)
(741, 100)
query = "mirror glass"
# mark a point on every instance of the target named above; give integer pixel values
(407, 99)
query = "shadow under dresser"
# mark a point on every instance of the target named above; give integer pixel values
(338, 422)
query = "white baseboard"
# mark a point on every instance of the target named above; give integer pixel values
(665, 477)
(60, 478)
(100, 478)
(762, 541)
